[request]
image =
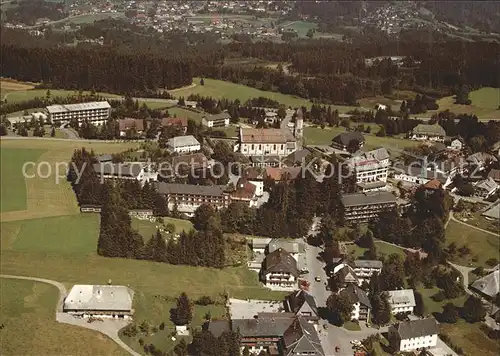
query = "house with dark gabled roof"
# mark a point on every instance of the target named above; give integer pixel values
(428, 132)
(360, 302)
(279, 269)
(301, 338)
(345, 275)
(302, 304)
(342, 141)
(414, 334)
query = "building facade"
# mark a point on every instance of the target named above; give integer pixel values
(279, 269)
(365, 269)
(371, 166)
(345, 139)
(184, 144)
(425, 132)
(364, 207)
(219, 120)
(360, 302)
(188, 197)
(414, 335)
(97, 112)
(266, 142)
(402, 301)
(139, 171)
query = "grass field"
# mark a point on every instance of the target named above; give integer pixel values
(231, 91)
(181, 112)
(8, 86)
(382, 249)
(432, 306)
(319, 136)
(300, 26)
(485, 103)
(24, 95)
(470, 338)
(13, 185)
(147, 228)
(483, 246)
(30, 329)
(43, 197)
(85, 19)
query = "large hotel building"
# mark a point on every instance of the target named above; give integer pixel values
(97, 112)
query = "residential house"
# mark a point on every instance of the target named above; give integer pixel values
(129, 127)
(140, 171)
(245, 192)
(280, 269)
(370, 167)
(295, 247)
(493, 212)
(480, 160)
(343, 140)
(402, 301)
(277, 174)
(371, 187)
(489, 285)
(188, 197)
(359, 299)
(218, 120)
(414, 334)
(103, 301)
(432, 185)
(301, 338)
(365, 269)
(438, 148)
(265, 143)
(495, 175)
(255, 176)
(182, 144)
(417, 175)
(364, 207)
(192, 162)
(180, 122)
(104, 158)
(455, 144)
(345, 275)
(485, 188)
(96, 112)
(297, 158)
(425, 132)
(303, 304)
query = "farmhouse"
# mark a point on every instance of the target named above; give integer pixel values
(345, 139)
(245, 192)
(360, 302)
(105, 301)
(455, 144)
(495, 175)
(266, 142)
(219, 120)
(402, 301)
(130, 127)
(424, 132)
(97, 112)
(345, 275)
(180, 122)
(188, 197)
(413, 335)
(370, 166)
(363, 207)
(182, 144)
(280, 269)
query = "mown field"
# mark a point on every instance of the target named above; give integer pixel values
(29, 326)
(8, 86)
(483, 246)
(38, 197)
(222, 89)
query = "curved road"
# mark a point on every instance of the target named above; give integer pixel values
(106, 327)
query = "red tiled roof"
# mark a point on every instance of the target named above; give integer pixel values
(179, 121)
(128, 123)
(433, 184)
(278, 174)
(244, 190)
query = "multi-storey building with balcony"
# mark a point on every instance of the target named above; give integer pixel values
(364, 207)
(97, 112)
(279, 269)
(139, 171)
(370, 167)
(219, 120)
(188, 197)
(414, 334)
(360, 302)
(402, 301)
(364, 269)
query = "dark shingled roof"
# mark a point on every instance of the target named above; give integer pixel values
(295, 301)
(126, 169)
(346, 137)
(416, 328)
(356, 295)
(176, 188)
(302, 338)
(297, 156)
(281, 261)
(266, 324)
(218, 327)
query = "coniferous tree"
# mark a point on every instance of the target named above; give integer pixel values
(183, 313)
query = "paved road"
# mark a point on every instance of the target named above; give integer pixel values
(108, 327)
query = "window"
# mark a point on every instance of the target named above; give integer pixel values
(274, 147)
(260, 147)
(253, 146)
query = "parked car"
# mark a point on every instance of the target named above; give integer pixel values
(317, 279)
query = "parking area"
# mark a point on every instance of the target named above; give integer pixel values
(248, 309)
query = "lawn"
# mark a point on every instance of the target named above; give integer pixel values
(432, 306)
(485, 103)
(483, 246)
(24, 95)
(13, 186)
(147, 228)
(470, 338)
(44, 197)
(319, 136)
(300, 26)
(352, 326)
(181, 112)
(86, 19)
(382, 249)
(222, 89)
(8, 86)
(30, 327)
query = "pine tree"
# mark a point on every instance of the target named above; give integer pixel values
(183, 313)
(53, 132)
